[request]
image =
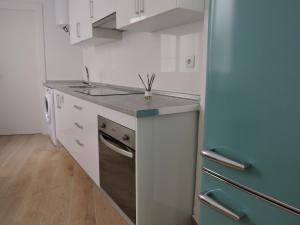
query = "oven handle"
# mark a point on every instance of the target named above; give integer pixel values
(115, 148)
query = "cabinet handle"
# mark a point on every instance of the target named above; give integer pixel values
(137, 7)
(79, 143)
(91, 9)
(57, 102)
(78, 29)
(142, 6)
(77, 107)
(78, 125)
(210, 155)
(207, 199)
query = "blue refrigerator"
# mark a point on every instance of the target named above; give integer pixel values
(251, 168)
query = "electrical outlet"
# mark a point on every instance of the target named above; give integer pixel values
(190, 61)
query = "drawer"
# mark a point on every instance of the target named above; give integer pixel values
(82, 133)
(253, 210)
(78, 107)
(79, 148)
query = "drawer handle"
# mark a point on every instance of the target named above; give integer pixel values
(211, 155)
(137, 6)
(210, 202)
(142, 6)
(77, 107)
(78, 125)
(91, 9)
(79, 143)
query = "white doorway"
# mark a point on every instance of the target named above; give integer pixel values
(22, 68)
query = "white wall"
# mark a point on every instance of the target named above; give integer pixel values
(63, 61)
(163, 53)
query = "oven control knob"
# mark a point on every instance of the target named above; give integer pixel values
(103, 125)
(125, 137)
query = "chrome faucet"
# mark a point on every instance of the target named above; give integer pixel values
(87, 77)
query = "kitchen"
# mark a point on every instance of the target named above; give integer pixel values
(149, 113)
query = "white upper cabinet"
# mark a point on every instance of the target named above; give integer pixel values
(154, 15)
(102, 8)
(85, 28)
(74, 20)
(82, 14)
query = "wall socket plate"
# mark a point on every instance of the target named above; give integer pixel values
(190, 61)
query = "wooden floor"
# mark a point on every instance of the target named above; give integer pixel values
(42, 185)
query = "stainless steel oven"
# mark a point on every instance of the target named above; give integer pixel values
(117, 164)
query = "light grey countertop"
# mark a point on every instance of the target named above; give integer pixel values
(162, 103)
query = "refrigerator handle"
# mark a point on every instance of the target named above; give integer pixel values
(211, 155)
(209, 201)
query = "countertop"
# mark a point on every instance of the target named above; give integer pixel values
(162, 103)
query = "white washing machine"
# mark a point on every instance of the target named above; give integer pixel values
(50, 114)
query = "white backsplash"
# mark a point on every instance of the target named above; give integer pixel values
(164, 53)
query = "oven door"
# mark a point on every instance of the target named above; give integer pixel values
(117, 173)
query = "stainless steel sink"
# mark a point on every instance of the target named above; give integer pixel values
(82, 86)
(106, 91)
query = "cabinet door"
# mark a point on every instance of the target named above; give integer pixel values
(85, 19)
(62, 120)
(150, 8)
(80, 20)
(102, 8)
(252, 210)
(127, 12)
(74, 18)
(59, 116)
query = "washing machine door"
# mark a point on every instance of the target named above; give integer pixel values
(47, 109)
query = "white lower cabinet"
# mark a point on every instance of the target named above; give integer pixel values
(165, 157)
(62, 120)
(76, 127)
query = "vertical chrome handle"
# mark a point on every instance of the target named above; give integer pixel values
(77, 107)
(59, 100)
(209, 201)
(142, 6)
(78, 29)
(79, 143)
(91, 9)
(210, 155)
(78, 125)
(137, 6)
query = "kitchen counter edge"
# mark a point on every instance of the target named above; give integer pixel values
(138, 112)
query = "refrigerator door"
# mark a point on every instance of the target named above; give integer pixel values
(251, 210)
(252, 113)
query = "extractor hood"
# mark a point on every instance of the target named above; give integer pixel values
(108, 22)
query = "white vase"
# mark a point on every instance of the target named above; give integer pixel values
(148, 95)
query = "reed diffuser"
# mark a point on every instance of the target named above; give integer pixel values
(148, 87)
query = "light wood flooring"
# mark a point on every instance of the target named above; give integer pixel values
(41, 184)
